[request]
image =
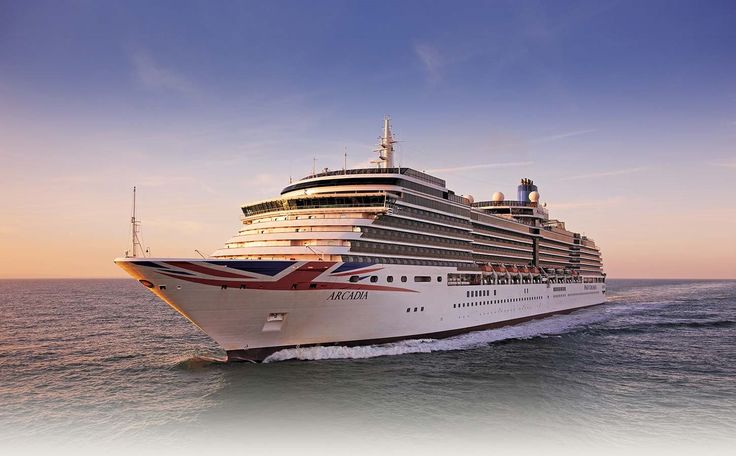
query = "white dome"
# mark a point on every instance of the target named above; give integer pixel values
(498, 196)
(469, 198)
(534, 197)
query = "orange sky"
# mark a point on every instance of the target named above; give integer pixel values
(624, 120)
(64, 227)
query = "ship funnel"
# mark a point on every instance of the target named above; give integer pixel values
(525, 188)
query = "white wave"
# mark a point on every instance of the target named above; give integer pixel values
(555, 325)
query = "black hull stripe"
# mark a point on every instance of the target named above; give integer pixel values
(259, 354)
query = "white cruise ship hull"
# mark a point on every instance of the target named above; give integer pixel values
(253, 308)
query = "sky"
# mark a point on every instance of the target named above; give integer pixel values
(622, 112)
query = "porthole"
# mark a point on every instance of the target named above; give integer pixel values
(374, 279)
(403, 278)
(390, 279)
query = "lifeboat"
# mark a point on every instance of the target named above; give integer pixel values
(536, 274)
(501, 272)
(488, 272)
(526, 274)
(514, 271)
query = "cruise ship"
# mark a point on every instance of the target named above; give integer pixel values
(376, 255)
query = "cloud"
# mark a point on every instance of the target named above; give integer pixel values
(619, 172)
(731, 164)
(154, 76)
(570, 134)
(481, 166)
(431, 60)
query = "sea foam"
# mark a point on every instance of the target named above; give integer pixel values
(550, 326)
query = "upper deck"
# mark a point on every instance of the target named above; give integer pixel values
(401, 215)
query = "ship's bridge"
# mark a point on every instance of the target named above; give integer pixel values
(396, 179)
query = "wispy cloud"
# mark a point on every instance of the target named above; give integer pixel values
(727, 164)
(619, 172)
(481, 166)
(557, 137)
(431, 60)
(154, 76)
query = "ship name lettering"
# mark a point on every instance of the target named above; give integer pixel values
(347, 295)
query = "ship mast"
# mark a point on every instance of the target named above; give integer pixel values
(386, 146)
(135, 227)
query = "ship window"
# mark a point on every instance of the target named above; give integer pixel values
(390, 279)
(408, 309)
(422, 309)
(162, 287)
(312, 285)
(415, 309)
(439, 278)
(374, 279)
(354, 278)
(242, 286)
(422, 279)
(403, 278)
(224, 287)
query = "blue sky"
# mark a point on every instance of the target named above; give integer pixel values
(621, 111)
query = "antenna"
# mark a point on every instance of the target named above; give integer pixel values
(200, 254)
(345, 161)
(314, 166)
(135, 226)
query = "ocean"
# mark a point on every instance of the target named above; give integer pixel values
(87, 365)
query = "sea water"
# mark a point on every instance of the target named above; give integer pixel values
(102, 364)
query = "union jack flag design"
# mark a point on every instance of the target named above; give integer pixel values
(272, 275)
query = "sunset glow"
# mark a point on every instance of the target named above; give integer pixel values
(622, 114)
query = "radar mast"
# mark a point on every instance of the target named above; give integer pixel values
(386, 146)
(135, 232)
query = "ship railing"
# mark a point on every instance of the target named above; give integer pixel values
(375, 202)
(505, 203)
(406, 171)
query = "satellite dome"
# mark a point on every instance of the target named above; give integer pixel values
(534, 197)
(470, 198)
(498, 196)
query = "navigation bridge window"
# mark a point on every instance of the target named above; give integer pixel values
(314, 202)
